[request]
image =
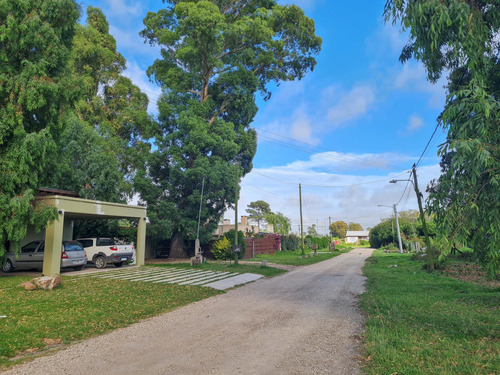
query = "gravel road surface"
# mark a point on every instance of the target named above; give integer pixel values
(304, 322)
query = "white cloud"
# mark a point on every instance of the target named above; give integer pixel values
(301, 128)
(331, 161)
(122, 8)
(413, 77)
(353, 105)
(140, 79)
(414, 123)
(343, 196)
(131, 42)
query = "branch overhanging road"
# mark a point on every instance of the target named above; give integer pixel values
(304, 322)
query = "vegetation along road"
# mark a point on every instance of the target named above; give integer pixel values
(304, 322)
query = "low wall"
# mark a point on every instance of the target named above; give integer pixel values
(266, 245)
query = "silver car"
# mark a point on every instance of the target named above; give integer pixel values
(31, 256)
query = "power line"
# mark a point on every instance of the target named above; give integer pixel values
(382, 165)
(314, 150)
(428, 143)
(327, 186)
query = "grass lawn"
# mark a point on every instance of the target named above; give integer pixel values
(226, 267)
(422, 323)
(292, 257)
(80, 308)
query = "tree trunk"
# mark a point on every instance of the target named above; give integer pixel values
(177, 247)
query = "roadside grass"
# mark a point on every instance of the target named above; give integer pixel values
(226, 267)
(422, 323)
(291, 258)
(79, 309)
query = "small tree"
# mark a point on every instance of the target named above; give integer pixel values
(311, 231)
(222, 249)
(258, 211)
(355, 226)
(338, 229)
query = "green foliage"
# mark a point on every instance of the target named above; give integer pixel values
(290, 242)
(103, 143)
(215, 57)
(258, 211)
(338, 229)
(355, 226)
(461, 37)
(322, 242)
(382, 234)
(312, 232)
(222, 249)
(36, 92)
(281, 224)
(241, 242)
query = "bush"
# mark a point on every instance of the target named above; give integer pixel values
(290, 242)
(364, 243)
(222, 249)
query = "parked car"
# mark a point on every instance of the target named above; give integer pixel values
(103, 251)
(31, 256)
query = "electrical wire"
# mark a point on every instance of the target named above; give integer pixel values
(314, 150)
(326, 186)
(428, 143)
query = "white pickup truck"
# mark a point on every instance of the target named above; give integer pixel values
(102, 251)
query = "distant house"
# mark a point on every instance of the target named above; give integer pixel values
(243, 226)
(354, 236)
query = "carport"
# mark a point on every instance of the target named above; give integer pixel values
(71, 208)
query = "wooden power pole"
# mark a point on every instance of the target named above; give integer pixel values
(301, 222)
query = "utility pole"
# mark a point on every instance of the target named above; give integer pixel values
(329, 225)
(197, 250)
(236, 193)
(301, 222)
(397, 225)
(422, 218)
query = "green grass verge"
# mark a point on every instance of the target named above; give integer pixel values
(292, 257)
(422, 323)
(226, 267)
(80, 308)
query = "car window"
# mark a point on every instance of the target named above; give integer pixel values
(72, 246)
(105, 242)
(31, 247)
(41, 249)
(86, 243)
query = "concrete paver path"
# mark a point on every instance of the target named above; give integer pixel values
(182, 276)
(304, 322)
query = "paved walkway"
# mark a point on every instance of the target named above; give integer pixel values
(181, 276)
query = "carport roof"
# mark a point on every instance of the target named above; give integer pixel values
(78, 208)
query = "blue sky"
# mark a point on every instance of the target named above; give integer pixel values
(360, 119)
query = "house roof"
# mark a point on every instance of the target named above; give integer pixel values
(357, 233)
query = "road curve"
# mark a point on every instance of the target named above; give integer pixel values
(304, 322)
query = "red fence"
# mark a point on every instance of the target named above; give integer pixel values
(266, 245)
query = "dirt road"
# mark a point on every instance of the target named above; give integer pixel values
(304, 322)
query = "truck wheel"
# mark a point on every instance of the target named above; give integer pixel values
(7, 266)
(100, 262)
(119, 264)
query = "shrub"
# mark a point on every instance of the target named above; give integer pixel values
(290, 242)
(222, 249)
(364, 243)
